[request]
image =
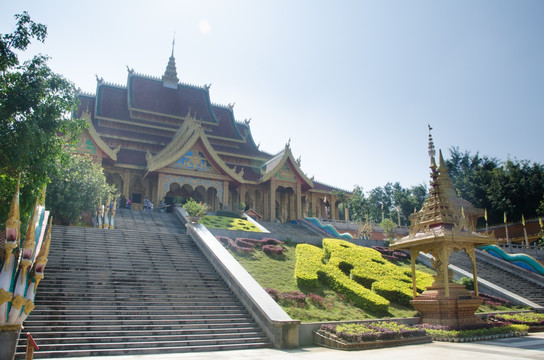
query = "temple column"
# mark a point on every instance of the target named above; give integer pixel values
(299, 201)
(292, 200)
(272, 201)
(126, 183)
(333, 207)
(225, 194)
(346, 213)
(266, 204)
(160, 187)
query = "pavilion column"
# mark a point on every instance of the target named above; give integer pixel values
(471, 254)
(225, 194)
(413, 256)
(298, 194)
(445, 260)
(346, 213)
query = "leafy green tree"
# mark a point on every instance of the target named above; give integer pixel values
(358, 205)
(514, 187)
(517, 188)
(394, 201)
(388, 227)
(35, 107)
(77, 186)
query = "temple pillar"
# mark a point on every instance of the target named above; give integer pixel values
(298, 194)
(272, 201)
(225, 194)
(333, 207)
(292, 200)
(126, 183)
(266, 204)
(160, 187)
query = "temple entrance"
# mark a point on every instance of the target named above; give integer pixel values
(285, 204)
(180, 194)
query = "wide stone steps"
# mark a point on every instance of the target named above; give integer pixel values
(131, 291)
(500, 277)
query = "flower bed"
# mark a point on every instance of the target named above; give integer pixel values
(269, 246)
(372, 335)
(487, 331)
(535, 321)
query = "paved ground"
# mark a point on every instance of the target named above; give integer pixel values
(528, 347)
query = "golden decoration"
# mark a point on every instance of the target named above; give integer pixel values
(29, 306)
(18, 302)
(5, 296)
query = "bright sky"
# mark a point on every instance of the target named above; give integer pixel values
(353, 84)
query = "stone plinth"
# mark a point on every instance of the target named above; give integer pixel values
(455, 310)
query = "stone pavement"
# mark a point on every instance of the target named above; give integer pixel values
(528, 347)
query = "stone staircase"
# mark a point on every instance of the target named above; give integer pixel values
(134, 291)
(492, 271)
(289, 230)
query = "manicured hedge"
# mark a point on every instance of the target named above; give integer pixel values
(308, 263)
(360, 273)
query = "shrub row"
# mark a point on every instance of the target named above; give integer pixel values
(308, 262)
(227, 213)
(360, 273)
(532, 319)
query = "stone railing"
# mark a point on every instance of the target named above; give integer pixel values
(277, 324)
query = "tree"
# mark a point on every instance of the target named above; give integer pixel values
(388, 227)
(514, 187)
(77, 186)
(357, 204)
(392, 199)
(35, 107)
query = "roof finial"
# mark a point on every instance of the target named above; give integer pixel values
(173, 43)
(432, 151)
(170, 77)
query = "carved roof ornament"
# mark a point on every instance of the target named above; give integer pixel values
(170, 77)
(130, 70)
(231, 105)
(207, 86)
(99, 80)
(86, 115)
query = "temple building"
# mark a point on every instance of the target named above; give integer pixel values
(161, 139)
